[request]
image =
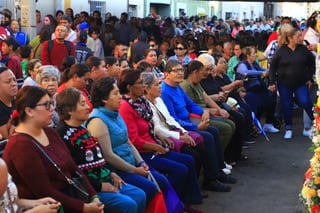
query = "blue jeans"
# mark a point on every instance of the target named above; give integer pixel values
(214, 160)
(130, 199)
(286, 95)
(180, 171)
(144, 183)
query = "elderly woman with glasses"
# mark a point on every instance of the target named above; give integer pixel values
(137, 114)
(48, 78)
(181, 51)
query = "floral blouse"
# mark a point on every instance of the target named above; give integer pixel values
(10, 194)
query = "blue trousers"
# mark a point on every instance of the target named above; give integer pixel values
(180, 171)
(214, 161)
(261, 100)
(144, 183)
(286, 95)
(130, 199)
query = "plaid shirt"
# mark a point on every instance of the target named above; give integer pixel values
(272, 51)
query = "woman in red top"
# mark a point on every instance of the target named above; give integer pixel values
(32, 172)
(77, 76)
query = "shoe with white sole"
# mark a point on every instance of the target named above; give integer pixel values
(270, 128)
(226, 171)
(307, 132)
(228, 166)
(288, 134)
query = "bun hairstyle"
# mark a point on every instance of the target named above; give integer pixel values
(28, 96)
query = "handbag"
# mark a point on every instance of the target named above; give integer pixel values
(157, 204)
(76, 185)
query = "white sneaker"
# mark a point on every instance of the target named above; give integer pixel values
(288, 134)
(307, 133)
(226, 171)
(228, 166)
(270, 128)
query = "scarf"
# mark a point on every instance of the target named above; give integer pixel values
(143, 109)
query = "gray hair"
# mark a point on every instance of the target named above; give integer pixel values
(148, 78)
(47, 71)
(225, 44)
(206, 59)
(170, 64)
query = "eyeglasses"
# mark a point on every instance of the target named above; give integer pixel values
(152, 45)
(47, 105)
(180, 48)
(178, 70)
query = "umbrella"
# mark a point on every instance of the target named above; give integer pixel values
(258, 124)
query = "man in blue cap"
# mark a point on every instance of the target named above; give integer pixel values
(84, 26)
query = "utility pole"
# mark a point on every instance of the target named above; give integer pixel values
(28, 17)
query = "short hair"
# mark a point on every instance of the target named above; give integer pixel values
(59, 11)
(31, 64)
(25, 51)
(67, 62)
(66, 101)
(47, 71)
(147, 51)
(143, 65)
(101, 90)
(45, 34)
(76, 69)
(11, 41)
(93, 61)
(28, 96)
(67, 18)
(192, 66)
(206, 59)
(225, 44)
(170, 64)
(110, 60)
(128, 77)
(148, 78)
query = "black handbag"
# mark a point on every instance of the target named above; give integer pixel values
(76, 188)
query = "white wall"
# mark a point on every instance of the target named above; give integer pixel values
(237, 9)
(79, 5)
(140, 7)
(116, 7)
(46, 8)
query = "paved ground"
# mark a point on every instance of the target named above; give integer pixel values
(270, 181)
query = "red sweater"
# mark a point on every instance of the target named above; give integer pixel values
(35, 176)
(138, 128)
(58, 52)
(14, 64)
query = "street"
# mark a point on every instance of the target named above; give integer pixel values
(271, 180)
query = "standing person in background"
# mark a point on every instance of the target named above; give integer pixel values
(98, 46)
(70, 34)
(121, 51)
(82, 51)
(9, 46)
(59, 14)
(39, 22)
(59, 49)
(123, 30)
(291, 71)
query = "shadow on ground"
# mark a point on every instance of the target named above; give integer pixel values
(271, 180)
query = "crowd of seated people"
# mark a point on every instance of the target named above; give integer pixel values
(167, 98)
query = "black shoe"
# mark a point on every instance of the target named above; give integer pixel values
(216, 186)
(227, 178)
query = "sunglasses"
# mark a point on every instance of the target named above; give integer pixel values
(180, 48)
(47, 105)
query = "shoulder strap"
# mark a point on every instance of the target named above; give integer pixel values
(50, 46)
(68, 46)
(47, 156)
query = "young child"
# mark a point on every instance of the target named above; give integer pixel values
(32, 69)
(9, 47)
(99, 51)
(25, 52)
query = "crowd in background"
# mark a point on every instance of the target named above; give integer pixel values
(118, 100)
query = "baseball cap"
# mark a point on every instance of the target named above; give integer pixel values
(84, 25)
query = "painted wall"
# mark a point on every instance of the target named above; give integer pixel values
(117, 7)
(242, 10)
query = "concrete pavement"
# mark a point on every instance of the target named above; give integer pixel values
(271, 180)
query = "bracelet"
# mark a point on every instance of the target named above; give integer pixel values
(94, 196)
(140, 163)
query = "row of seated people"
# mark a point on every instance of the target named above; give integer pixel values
(35, 112)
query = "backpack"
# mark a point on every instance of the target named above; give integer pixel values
(50, 46)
